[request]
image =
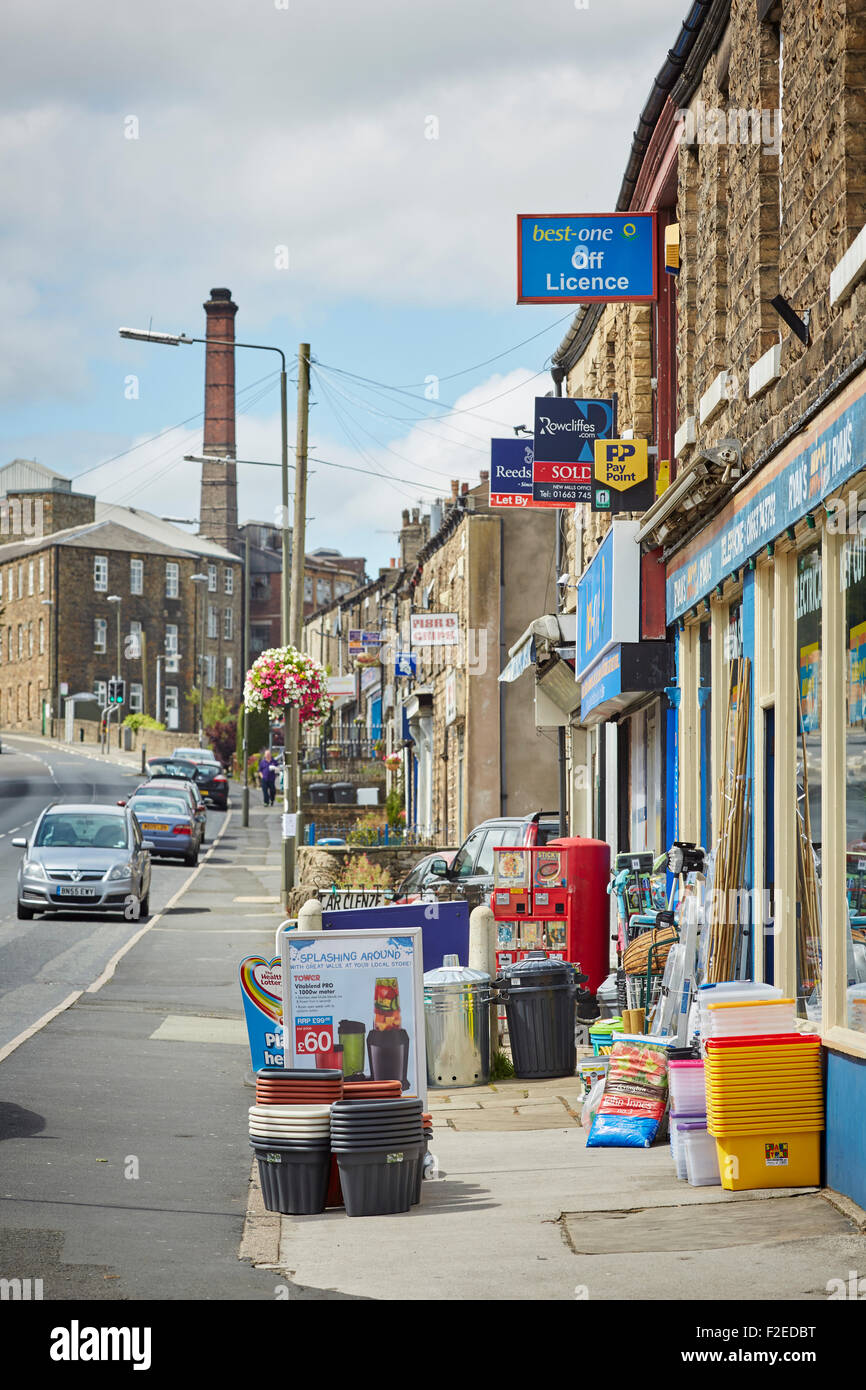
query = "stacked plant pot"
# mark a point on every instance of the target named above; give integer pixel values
(380, 1149)
(290, 1135)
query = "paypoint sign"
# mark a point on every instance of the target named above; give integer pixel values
(621, 477)
(607, 258)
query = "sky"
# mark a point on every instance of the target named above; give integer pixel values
(352, 172)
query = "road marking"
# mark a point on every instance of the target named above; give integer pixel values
(40, 1023)
(112, 965)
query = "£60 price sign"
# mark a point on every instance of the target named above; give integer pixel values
(314, 1035)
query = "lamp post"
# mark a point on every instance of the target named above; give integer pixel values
(198, 648)
(292, 585)
(116, 600)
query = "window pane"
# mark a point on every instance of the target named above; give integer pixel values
(853, 575)
(484, 862)
(808, 649)
(463, 862)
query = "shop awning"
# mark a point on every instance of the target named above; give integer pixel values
(544, 634)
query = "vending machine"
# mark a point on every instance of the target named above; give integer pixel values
(554, 898)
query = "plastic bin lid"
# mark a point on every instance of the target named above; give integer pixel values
(693, 1125)
(764, 1040)
(682, 1064)
(451, 972)
(539, 963)
(750, 1003)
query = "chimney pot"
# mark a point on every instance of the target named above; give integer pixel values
(464, 488)
(484, 475)
(455, 487)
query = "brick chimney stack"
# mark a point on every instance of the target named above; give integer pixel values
(219, 482)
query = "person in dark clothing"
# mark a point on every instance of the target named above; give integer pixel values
(268, 776)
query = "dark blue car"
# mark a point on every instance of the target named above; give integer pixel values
(168, 823)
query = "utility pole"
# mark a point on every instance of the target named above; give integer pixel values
(291, 777)
(245, 794)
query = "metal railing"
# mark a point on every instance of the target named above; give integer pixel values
(325, 753)
(373, 835)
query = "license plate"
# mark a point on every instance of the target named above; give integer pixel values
(148, 825)
(76, 892)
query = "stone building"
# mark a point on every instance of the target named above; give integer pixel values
(750, 150)
(59, 632)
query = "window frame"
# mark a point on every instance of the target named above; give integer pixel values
(100, 568)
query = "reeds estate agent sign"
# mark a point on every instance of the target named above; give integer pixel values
(607, 258)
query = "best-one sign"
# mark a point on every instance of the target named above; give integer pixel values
(586, 258)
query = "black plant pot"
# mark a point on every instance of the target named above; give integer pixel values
(388, 1051)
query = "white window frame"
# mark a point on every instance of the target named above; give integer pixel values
(229, 674)
(212, 621)
(228, 625)
(41, 636)
(10, 582)
(172, 579)
(229, 579)
(211, 579)
(31, 577)
(20, 642)
(100, 635)
(136, 576)
(100, 574)
(136, 697)
(100, 690)
(41, 574)
(20, 581)
(210, 670)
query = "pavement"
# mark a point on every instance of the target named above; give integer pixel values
(125, 1171)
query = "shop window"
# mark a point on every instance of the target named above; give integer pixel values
(807, 608)
(853, 581)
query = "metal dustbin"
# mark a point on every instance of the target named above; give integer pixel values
(320, 793)
(345, 793)
(540, 1006)
(457, 1024)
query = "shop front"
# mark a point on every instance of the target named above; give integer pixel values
(769, 604)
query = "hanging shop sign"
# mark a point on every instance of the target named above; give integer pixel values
(453, 697)
(625, 672)
(370, 677)
(793, 484)
(434, 630)
(261, 984)
(566, 429)
(608, 596)
(621, 477)
(511, 473)
(587, 258)
(355, 999)
(341, 685)
(405, 664)
(362, 641)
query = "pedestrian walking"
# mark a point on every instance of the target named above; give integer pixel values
(268, 776)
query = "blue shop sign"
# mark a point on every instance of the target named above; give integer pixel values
(799, 482)
(511, 472)
(586, 258)
(601, 682)
(405, 664)
(608, 596)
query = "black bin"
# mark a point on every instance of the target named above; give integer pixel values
(320, 793)
(345, 793)
(539, 996)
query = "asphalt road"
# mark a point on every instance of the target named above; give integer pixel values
(42, 962)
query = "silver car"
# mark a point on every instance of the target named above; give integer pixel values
(87, 857)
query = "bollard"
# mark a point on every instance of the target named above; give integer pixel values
(310, 916)
(482, 956)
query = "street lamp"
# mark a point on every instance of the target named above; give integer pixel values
(198, 647)
(292, 589)
(116, 600)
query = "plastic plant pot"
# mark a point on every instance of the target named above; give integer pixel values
(294, 1182)
(300, 1073)
(407, 1105)
(380, 1182)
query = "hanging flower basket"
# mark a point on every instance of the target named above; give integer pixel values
(284, 676)
(393, 762)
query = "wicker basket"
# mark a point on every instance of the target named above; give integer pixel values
(658, 941)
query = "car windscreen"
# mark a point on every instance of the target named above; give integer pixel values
(78, 830)
(174, 769)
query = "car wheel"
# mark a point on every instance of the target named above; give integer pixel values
(191, 859)
(144, 905)
(25, 914)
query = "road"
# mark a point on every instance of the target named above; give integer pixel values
(44, 961)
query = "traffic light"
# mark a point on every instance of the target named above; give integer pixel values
(116, 692)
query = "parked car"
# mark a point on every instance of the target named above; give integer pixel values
(469, 877)
(196, 755)
(183, 786)
(415, 886)
(206, 773)
(89, 857)
(169, 822)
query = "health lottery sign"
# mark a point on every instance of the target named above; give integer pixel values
(566, 429)
(586, 258)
